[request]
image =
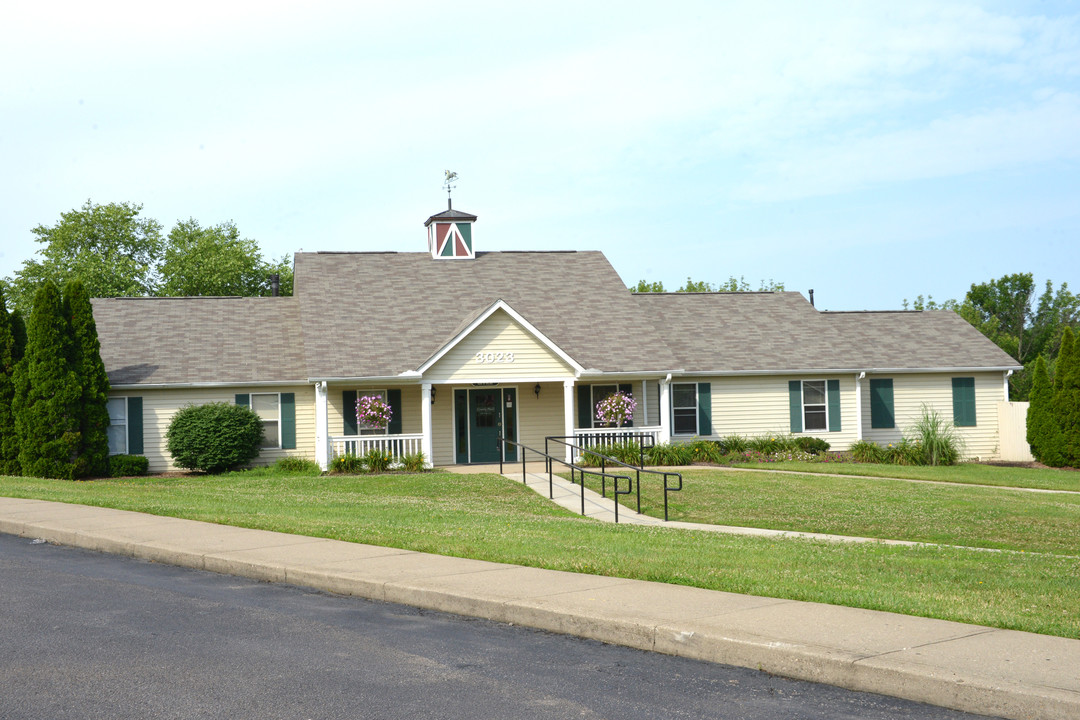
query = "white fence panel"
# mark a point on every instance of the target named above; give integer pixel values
(1012, 431)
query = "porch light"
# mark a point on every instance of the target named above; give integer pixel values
(537, 391)
(433, 389)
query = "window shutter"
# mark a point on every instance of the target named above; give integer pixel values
(833, 399)
(584, 406)
(704, 408)
(963, 401)
(348, 413)
(882, 414)
(795, 403)
(135, 426)
(288, 421)
(629, 390)
(393, 398)
(243, 399)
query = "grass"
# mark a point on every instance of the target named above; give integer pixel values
(877, 508)
(965, 473)
(491, 518)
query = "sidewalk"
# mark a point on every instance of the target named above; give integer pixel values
(966, 667)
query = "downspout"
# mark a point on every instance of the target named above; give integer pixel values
(1008, 374)
(858, 405)
(665, 410)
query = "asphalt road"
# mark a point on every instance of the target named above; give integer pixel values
(85, 635)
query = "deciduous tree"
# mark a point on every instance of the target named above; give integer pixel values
(215, 260)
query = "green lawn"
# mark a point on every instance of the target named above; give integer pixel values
(966, 473)
(491, 518)
(878, 508)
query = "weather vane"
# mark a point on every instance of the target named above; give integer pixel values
(449, 183)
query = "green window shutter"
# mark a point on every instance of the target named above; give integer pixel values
(629, 390)
(135, 426)
(704, 408)
(243, 399)
(461, 409)
(393, 398)
(833, 399)
(795, 403)
(288, 421)
(963, 401)
(348, 413)
(881, 403)
(584, 406)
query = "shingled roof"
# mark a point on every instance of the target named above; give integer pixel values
(379, 314)
(181, 341)
(780, 332)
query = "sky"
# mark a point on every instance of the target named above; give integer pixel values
(871, 151)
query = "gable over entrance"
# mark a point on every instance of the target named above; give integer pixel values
(498, 347)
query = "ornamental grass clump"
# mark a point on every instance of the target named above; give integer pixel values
(616, 409)
(936, 439)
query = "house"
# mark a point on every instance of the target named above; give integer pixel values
(463, 343)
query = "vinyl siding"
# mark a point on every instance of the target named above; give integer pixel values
(498, 334)
(751, 406)
(159, 406)
(910, 392)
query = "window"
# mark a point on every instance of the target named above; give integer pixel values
(963, 401)
(268, 407)
(881, 403)
(815, 409)
(684, 409)
(118, 431)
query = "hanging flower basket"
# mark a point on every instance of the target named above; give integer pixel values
(372, 412)
(616, 409)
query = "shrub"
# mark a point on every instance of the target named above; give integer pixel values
(865, 451)
(669, 454)
(413, 462)
(127, 465)
(734, 444)
(628, 452)
(812, 445)
(214, 437)
(937, 441)
(347, 464)
(298, 466)
(378, 461)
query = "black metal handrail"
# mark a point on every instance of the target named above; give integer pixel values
(551, 482)
(604, 459)
(645, 441)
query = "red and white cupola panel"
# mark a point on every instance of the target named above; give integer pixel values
(450, 235)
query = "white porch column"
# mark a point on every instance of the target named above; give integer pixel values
(665, 410)
(858, 405)
(568, 415)
(425, 422)
(322, 427)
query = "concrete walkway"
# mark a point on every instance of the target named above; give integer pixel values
(966, 667)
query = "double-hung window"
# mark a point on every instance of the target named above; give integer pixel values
(118, 426)
(268, 407)
(684, 409)
(815, 405)
(815, 409)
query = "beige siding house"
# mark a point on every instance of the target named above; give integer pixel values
(465, 345)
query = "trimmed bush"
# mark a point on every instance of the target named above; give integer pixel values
(297, 466)
(127, 465)
(214, 437)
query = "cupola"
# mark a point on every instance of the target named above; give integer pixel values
(449, 233)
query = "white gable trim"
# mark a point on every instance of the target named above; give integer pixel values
(529, 328)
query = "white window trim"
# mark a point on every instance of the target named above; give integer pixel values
(697, 414)
(127, 437)
(251, 406)
(384, 393)
(802, 403)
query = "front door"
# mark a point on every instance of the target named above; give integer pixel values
(491, 411)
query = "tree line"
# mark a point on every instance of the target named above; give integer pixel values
(115, 252)
(54, 392)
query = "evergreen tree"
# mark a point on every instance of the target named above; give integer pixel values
(1042, 431)
(93, 412)
(1067, 400)
(47, 392)
(9, 443)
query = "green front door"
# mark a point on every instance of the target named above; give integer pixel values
(485, 418)
(491, 411)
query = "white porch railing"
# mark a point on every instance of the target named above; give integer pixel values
(397, 445)
(590, 437)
